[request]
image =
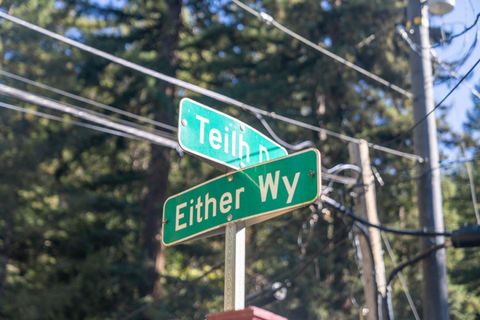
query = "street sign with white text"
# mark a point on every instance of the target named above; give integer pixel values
(222, 139)
(252, 195)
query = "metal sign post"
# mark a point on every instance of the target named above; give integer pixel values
(234, 289)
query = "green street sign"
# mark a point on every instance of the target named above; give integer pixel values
(222, 139)
(254, 194)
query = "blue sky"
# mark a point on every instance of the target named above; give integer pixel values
(461, 100)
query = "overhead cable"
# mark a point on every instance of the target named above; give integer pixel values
(38, 100)
(362, 230)
(419, 233)
(87, 100)
(471, 181)
(439, 104)
(402, 279)
(198, 89)
(449, 39)
(60, 119)
(120, 120)
(125, 131)
(269, 20)
(294, 147)
(403, 265)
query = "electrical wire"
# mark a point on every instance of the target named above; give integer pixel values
(414, 47)
(402, 279)
(446, 164)
(368, 241)
(325, 176)
(198, 89)
(449, 39)
(268, 19)
(439, 104)
(403, 265)
(73, 122)
(419, 233)
(87, 100)
(291, 274)
(38, 100)
(293, 147)
(126, 122)
(471, 183)
(446, 66)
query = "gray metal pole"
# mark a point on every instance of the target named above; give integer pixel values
(434, 287)
(234, 287)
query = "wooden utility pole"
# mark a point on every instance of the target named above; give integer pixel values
(429, 194)
(366, 207)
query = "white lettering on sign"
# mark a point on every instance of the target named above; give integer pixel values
(202, 127)
(291, 187)
(225, 201)
(263, 152)
(215, 138)
(199, 209)
(229, 140)
(270, 185)
(237, 197)
(178, 216)
(199, 206)
(242, 145)
(213, 202)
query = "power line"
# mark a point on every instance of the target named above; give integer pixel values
(444, 164)
(268, 19)
(403, 265)
(445, 97)
(294, 147)
(74, 122)
(131, 132)
(198, 89)
(86, 100)
(38, 100)
(402, 279)
(300, 269)
(361, 228)
(79, 98)
(419, 233)
(415, 48)
(449, 39)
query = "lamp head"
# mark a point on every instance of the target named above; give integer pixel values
(441, 7)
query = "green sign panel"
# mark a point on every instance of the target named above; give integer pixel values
(222, 139)
(252, 195)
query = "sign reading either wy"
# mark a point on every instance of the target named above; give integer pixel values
(252, 195)
(220, 138)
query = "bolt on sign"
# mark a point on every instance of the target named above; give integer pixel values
(252, 195)
(222, 139)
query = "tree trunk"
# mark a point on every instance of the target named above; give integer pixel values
(159, 169)
(6, 239)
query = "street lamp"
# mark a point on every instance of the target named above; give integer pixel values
(441, 7)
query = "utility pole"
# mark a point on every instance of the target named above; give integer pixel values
(366, 207)
(434, 287)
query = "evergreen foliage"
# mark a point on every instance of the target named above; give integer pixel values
(81, 210)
